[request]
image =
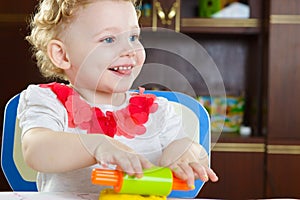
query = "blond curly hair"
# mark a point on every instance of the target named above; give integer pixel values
(47, 23)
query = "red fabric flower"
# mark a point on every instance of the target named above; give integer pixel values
(62, 91)
(131, 119)
(108, 124)
(127, 122)
(93, 126)
(79, 112)
(141, 105)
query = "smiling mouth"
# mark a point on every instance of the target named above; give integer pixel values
(122, 69)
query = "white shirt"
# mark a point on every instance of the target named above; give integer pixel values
(39, 107)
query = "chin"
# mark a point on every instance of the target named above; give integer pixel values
(119, 88)
(123, 86)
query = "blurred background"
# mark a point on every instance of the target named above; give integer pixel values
(256, 46)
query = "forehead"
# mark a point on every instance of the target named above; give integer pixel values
(106, 13)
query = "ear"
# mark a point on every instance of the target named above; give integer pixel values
(57, 53)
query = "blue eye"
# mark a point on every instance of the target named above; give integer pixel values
(134, 38)
(108, 40)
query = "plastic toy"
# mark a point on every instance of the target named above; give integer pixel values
(156, 181)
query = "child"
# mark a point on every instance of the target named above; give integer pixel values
(69, 129)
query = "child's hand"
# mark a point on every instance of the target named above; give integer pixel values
(188, 160)
(110, 151)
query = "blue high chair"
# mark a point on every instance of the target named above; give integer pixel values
(20, 177)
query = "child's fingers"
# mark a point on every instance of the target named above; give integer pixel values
(133, 164)
(212, 175)
(184, 172)
(200, 171)
(178, 172)
(125, 164)
(204, 173)
(188, 170)
(146, 164)
(136, 165)
(139, 163)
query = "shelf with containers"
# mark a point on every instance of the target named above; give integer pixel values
(234, 44)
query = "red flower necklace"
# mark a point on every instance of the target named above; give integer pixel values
(128, 121)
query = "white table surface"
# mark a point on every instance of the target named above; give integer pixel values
(46, 196)
(69, 196)
(49, 196)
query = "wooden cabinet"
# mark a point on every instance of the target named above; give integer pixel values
(283, 139)
(239, 163)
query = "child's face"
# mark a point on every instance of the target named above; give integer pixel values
(103, 47)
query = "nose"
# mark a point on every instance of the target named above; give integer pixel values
(128, 47)
(129, 51)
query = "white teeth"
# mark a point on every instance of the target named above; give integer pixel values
(122, 68)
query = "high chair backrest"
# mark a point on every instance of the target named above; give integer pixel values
(20, 177)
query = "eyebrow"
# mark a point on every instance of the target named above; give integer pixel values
(115, 29)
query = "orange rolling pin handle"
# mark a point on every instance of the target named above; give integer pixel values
(108, 177)
(179, 184)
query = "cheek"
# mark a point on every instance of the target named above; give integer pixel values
(77, 57)
(100, 58)
(141, 56)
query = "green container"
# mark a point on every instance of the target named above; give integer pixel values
(208, 7)
(226, 113)
(156, 181)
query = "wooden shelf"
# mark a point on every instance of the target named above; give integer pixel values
(235, 138)
(221, 25)
(233, 142)
(218, 26)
